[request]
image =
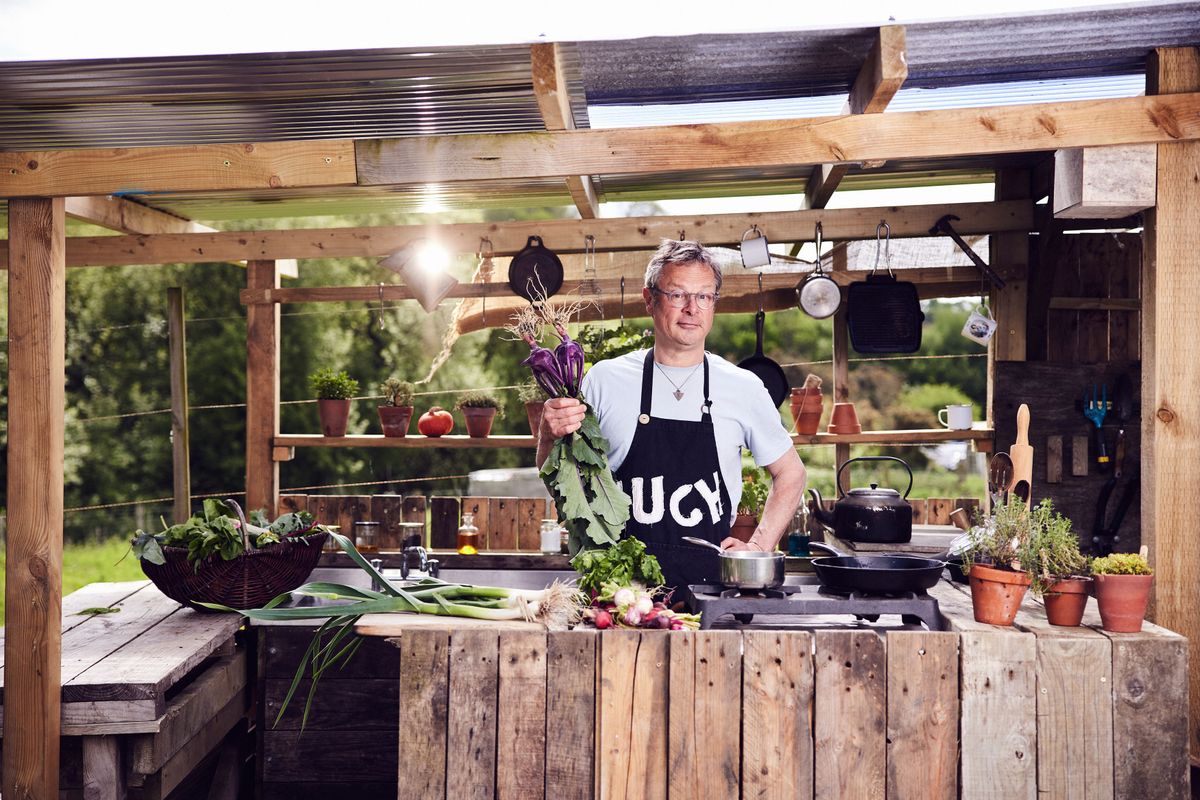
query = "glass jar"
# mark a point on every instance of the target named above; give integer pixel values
(412, 534)
(550, 538)
(468, 536)
(366, 536)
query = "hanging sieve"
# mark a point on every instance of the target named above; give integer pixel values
(819, 295)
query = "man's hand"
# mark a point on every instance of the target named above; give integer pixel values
(560, 416)
(755, 543)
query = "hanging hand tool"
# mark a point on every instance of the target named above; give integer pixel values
(1105, 532)
(1095, 408)
(1021, 454)
(943, 226)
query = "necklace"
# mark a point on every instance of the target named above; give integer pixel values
(678, 386)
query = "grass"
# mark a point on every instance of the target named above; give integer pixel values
(94, 561)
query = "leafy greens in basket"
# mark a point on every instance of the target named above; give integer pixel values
(212, 532)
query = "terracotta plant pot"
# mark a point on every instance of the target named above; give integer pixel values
(996, 594)
(533, 412)
(479, 421)
(743, 527)
(806, 407)
(1122, 600)
(844, 419)
(395, 420)
(1065, 601)
(334, 414)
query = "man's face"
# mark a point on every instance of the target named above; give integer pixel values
(687, 327)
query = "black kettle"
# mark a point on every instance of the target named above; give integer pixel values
(868, 515)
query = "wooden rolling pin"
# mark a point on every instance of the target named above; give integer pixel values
(1021, 454)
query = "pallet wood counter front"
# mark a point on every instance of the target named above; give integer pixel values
(149, 691)
(813, 708)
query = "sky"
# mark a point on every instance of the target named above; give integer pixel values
(70, 29)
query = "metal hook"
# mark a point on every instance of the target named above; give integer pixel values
(753, 229)
(682, 235)
(818, 270)
(760, 302)
(622, 301)
(883, 243)
(381, 325)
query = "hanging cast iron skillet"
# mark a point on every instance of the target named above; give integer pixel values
(884, 315)
(875, 574)
(769, 372)
(536, 272)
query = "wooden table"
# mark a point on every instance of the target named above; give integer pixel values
(150, 690)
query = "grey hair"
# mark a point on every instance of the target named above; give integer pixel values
(680, 252)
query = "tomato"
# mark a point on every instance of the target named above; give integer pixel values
(436, 422)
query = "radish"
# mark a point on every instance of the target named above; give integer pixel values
(603, 620)
(632, 617)
(644, 604)
(624, 597)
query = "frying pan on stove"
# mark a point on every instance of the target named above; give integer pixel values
(875, 574)
(768, 371)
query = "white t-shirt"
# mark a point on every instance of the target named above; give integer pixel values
(742, 411)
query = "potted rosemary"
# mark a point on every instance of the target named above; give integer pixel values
(1057, 566)
(396, 412)
(479, 409)
(533, 398)
(995, 559)
(1122, 590)
(333, 390)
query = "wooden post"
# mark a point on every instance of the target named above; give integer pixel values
(37, 275)
(1170, 448)
(262, 390)
(180, 448)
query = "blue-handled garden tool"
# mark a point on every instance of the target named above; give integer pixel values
(1095, 408)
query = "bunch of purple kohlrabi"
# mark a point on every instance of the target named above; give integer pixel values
(576, 471)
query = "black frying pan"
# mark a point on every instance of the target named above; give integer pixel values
(876, 574)
(770, 373)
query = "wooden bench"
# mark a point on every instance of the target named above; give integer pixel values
(149, 692)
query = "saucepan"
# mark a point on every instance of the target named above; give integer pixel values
(746, 569)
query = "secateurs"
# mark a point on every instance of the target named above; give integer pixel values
(1095, 408)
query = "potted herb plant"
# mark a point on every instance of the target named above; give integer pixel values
(754, 496)
(479, 409)
(995, 559)
(533, 398)
(1122, 590)
(333, 390)
(396, 413)
(1057, 566)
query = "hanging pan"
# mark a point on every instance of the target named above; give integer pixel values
(819, 294)
(883, 314)
(535, 273)
(769, 372)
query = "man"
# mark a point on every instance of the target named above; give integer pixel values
(677, 419)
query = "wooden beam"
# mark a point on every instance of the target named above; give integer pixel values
(134, 170)
(180, 450)
(262, 391)
(560, 235)
(1170, 374)
(1010, 303)
(776, 286)
(864, 137)
(33, 566)
(126, 216)
(554, 101)
(881, 76)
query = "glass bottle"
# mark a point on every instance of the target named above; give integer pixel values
(468, 536)
(798, 538)
(549, 538)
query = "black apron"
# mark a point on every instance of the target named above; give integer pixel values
(673, 475)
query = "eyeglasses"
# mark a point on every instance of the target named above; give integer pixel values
(704, 300)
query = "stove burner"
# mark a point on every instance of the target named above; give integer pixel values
(803, 595)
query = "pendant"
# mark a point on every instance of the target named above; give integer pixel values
(678, 394)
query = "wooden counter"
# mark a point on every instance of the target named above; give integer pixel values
(859, 713)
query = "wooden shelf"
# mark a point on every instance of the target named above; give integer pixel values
(929, 436)
(919, 436)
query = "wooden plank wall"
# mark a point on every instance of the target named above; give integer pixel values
(1054, 392)
(505, 523)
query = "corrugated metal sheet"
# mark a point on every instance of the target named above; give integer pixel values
(273, 97)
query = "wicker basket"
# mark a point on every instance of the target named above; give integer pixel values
(248, 581)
